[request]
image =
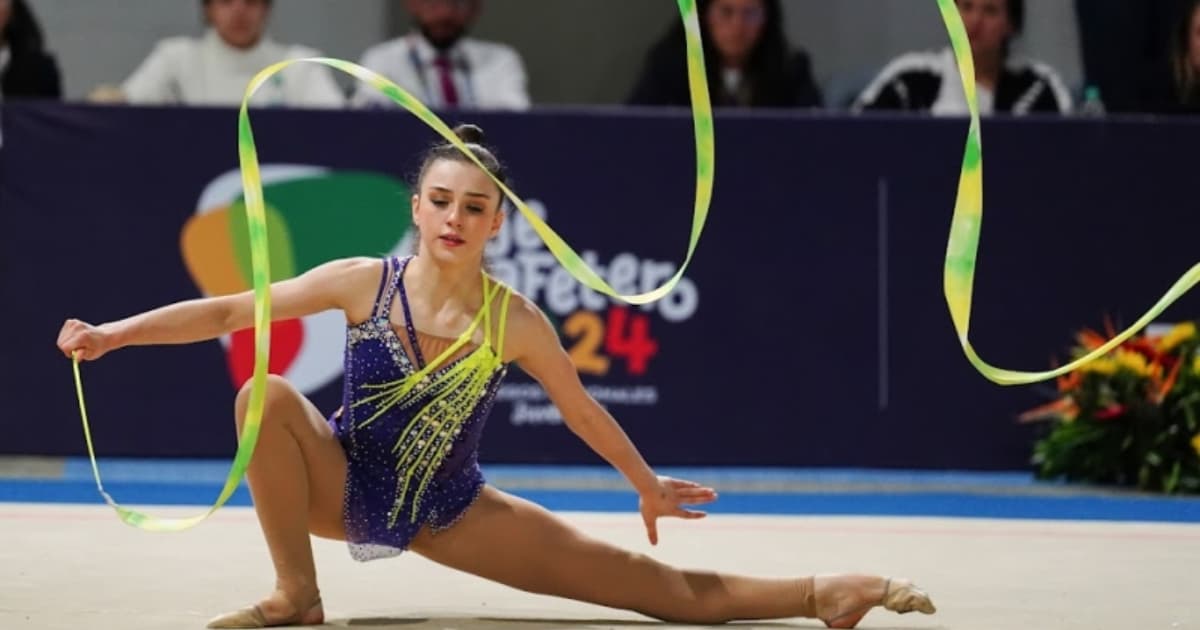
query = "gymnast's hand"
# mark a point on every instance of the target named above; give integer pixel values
(92, 342)
(667, 499)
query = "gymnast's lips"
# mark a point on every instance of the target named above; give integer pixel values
(451, 240)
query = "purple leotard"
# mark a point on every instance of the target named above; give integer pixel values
(374, 354)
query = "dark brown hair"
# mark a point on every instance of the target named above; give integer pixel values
(22, 33)
(1187, 79)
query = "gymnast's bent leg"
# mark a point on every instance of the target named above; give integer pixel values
(297, 479)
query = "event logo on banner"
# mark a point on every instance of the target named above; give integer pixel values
(314, 215)
(614, 342)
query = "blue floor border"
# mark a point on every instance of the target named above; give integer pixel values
(215, 471)
(597, 489)
(933, 504)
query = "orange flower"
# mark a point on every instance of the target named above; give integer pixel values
(1069, 382)
(1063, 409)
(1090, 339)
(1172, 377)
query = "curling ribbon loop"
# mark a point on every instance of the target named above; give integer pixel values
(959, 270)
(260, 266)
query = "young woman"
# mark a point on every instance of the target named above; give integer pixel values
(750, 62)
(1184, 97)
(928, 81)
(429, 340)
(27, 70)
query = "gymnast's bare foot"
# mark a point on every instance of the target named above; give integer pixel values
(276, 610)
(843, 600)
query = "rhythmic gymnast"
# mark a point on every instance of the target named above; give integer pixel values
(429, 340)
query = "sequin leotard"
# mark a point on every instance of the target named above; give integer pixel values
(411, 430)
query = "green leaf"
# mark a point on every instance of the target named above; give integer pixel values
(1172, 481)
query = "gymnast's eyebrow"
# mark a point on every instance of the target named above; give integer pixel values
(468, 193)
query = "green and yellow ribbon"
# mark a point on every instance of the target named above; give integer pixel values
(260, 265)
(959, 270)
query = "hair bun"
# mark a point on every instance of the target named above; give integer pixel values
(470, 134)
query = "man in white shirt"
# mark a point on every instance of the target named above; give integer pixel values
(217, 68)
(443, 67)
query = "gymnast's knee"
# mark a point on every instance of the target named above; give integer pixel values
(278, 390)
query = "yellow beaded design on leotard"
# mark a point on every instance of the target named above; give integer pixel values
(447, 397)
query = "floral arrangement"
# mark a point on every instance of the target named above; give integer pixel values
(1129, 418)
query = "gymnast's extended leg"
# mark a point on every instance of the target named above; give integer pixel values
(517, 543)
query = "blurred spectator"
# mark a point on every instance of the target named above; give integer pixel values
(1182, 88)
(1126, 49)
(443, 67)
(26, 69)
(930, 81)
(1186, 59)
(216, 68)
(747, 55)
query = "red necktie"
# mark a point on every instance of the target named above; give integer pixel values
(449, 92)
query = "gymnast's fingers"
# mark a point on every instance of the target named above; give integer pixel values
(64, 333)
(701, 494)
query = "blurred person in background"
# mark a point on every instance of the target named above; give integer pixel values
(749, 60)
(930, 82)
(1182, 88)
(445, 68)
(216, 68)
(1127, 47)
(26, 69)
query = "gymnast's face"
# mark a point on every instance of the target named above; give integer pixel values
(240, 23)
(987, 26)
(735, 27)
(456, 209)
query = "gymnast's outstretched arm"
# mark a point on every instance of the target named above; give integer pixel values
(536, 348)
(339, 284)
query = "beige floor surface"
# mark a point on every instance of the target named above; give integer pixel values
(78, 568)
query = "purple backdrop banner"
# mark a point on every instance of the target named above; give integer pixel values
(810, 331)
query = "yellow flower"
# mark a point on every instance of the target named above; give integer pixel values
(1107, 367)
(1179, 334)
(1196, 443)
(1133, 361)
(1196, 365)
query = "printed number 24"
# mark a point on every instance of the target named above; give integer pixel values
(594, 335)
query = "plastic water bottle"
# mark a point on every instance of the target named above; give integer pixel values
(1092, 106)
